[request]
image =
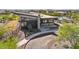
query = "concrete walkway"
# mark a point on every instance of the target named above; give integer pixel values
(22, 42)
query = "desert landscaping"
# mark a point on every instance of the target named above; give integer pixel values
(39, 29)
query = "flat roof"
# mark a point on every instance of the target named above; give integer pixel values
(42, 15)
(34, 14)
(47, 16)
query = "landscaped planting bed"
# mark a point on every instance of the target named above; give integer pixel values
(9, 28)
(9, 43)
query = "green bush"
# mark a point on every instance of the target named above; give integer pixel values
(75, 17)
(9, 43)
(12, 16)
(2, 30)
(9, 16)
(69, 32)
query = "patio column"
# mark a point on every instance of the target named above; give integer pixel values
(38, 22)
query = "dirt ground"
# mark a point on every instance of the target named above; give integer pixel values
(47, 42)
(41, 42)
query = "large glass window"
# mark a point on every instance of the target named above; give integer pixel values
(50, 20)
(43, 21)
(47, 21)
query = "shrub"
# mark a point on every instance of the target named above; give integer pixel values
(9, 43)
(12, 16)
(69, 32)
(75, 17)
(2, 30)
(9, 16)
